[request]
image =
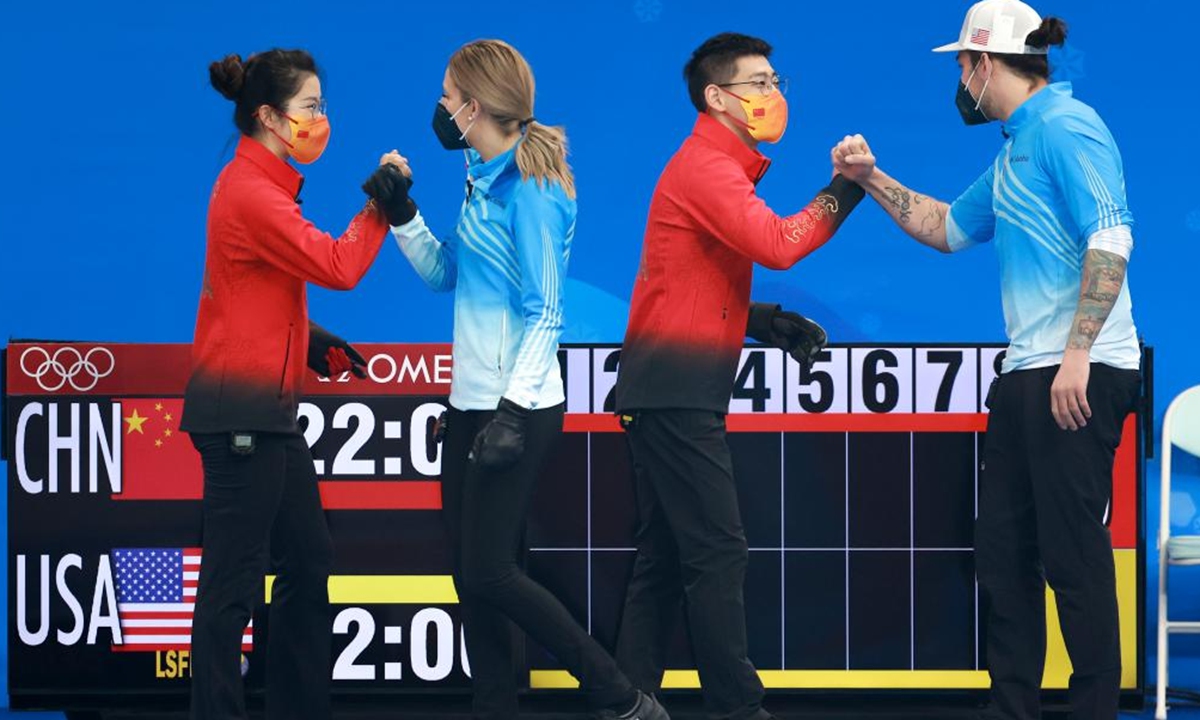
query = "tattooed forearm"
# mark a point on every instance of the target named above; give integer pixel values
(933, 221)
(1103, 277)
(899, 200)
(921, 216)
(930, 214)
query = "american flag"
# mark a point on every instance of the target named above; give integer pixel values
(979, 36)
(156, 595)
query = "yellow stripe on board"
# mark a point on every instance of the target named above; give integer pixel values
(795, 679)
(387, 589)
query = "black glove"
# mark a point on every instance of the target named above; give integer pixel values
(330, 355)
(802, 338)
(836, 201)
(500, 443)
(389, 188)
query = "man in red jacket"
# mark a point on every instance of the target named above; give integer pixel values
(688, 320)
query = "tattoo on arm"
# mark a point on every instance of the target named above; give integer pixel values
(910, 209)
(1103, 277)
(934, 218)
(899, 198)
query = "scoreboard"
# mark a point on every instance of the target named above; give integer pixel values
(857, 483)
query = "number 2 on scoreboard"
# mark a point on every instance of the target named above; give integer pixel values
(605, 362)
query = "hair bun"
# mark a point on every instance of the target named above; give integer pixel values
(1052, 31)
(228, 76)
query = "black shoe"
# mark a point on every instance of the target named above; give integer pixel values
(646, 708)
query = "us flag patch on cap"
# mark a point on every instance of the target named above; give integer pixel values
(979, 36)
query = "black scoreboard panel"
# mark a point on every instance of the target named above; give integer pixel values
(858, 489)
(854, 564)
(857, 486)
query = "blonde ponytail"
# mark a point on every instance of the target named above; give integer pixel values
(542, 155)
(495, 74)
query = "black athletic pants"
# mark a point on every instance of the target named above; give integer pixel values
(485, 517)
(690, 544)
(263, 501)
(1044, 504)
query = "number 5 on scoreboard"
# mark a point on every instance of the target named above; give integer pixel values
(824, 388)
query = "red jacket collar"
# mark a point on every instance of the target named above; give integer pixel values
(279, 171)
(752, 161)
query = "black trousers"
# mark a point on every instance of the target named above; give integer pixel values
(1044, 503)
(485, 518)
(690, 545)
(255, 504)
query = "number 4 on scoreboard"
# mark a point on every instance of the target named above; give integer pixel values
(757, 385)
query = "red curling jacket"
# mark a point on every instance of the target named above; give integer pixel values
(691, 299)
(250, 351)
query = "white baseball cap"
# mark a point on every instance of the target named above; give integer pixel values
(997, 26)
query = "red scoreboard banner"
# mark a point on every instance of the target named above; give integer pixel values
(857, 484)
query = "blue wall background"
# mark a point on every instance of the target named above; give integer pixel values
(111, 138)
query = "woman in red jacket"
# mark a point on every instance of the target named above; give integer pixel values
(252, 346)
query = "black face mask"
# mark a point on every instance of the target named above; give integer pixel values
(445, 129)
(967, 106)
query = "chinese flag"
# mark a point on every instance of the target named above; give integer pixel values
(159, 460)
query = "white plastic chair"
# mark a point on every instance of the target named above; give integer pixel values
(1181, 427)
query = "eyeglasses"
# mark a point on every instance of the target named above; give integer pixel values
(314, 108)
(764, 87)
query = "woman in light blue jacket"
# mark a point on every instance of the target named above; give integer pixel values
(507, 264)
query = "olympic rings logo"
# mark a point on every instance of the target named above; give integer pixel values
(67, 365)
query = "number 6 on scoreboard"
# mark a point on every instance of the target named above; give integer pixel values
(883, 381)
